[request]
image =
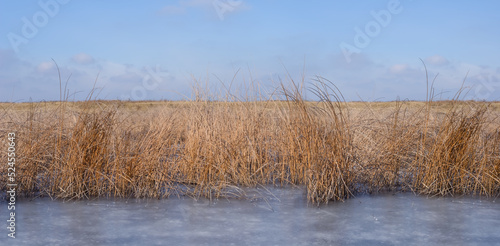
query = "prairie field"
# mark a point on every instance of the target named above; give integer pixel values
(212, 148)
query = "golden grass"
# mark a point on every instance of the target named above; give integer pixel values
(213, 148)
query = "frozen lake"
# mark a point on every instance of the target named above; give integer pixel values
(283, 218)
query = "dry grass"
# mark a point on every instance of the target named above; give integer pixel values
(211, 148)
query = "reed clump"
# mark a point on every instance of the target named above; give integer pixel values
(211, 148)
(450, 157)
(318, 143)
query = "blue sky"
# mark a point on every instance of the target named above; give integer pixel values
(157, 49)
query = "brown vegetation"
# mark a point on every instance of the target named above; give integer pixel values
(213, 148)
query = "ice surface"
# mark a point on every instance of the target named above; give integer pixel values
(283, 218)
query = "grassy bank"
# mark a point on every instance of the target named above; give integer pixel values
(213, 148)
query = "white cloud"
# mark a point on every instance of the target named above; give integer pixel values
(437, 60)
(23, 80)
(196, 3)
(83, 59)
(45, 67)
(362, 78)
(399, 68)
(219, 7)
(358, 62)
